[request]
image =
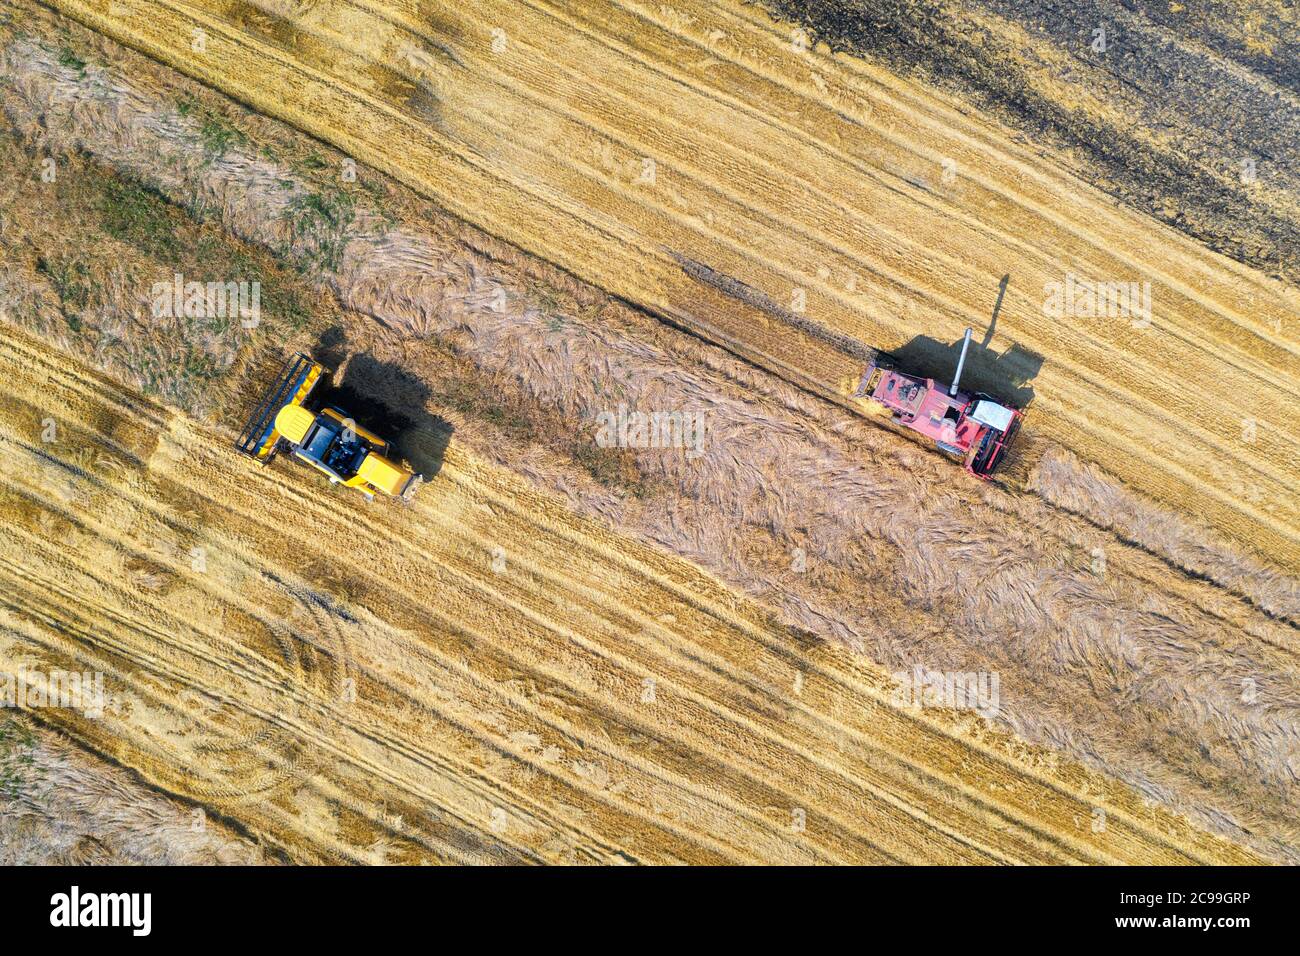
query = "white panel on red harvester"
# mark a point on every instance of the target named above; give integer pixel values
(992, 414)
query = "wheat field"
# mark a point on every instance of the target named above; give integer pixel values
(565, 653)
(798, 206)
(481, 677)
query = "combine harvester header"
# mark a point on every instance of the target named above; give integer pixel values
(978, 429)
(328, 439)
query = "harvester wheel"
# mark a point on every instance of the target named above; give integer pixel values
(408, 493)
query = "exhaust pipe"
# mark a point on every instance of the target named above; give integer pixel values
(952, 389)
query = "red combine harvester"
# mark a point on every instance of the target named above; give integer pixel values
(977, 428)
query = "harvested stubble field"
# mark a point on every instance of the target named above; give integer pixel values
(518, 667)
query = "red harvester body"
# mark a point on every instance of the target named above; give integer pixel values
(976, 428)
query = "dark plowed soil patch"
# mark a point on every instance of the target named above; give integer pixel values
(1189, 115)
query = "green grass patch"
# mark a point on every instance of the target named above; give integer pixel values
(282, 299)
(138, 216)
(71, 280)
(611, 467)
(313, 162)
(468, 398)
(216, 132)
(218, 135)
(16, 745)
(68, 58)
(320, 221)
(143, 219)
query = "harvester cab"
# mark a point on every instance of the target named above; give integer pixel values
(327, 439)
(976, 428)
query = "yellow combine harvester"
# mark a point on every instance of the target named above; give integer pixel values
(328, 439)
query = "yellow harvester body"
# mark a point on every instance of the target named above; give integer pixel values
(327, 439)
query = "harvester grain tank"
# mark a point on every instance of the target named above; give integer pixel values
(327, 439)
(976, 428)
